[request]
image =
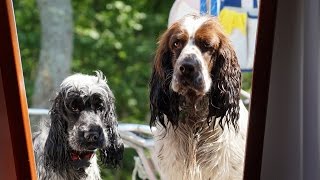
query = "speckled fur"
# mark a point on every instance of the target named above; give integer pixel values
(84, 103)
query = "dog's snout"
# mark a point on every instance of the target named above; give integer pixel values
(187, 68)
(190, 73)
(93, 134)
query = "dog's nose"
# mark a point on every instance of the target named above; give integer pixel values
(187, 68)
(92, 136)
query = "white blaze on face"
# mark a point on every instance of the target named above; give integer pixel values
(191, 25)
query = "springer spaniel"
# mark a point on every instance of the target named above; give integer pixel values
(195, 103)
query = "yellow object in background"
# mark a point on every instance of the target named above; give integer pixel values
(231, 20)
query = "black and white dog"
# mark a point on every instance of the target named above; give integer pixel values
(83, 123)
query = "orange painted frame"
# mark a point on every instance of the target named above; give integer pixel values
(17, 159)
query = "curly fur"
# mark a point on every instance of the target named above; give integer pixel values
(189, 142)
(83, 108)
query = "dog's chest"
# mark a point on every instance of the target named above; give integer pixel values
(184, 153)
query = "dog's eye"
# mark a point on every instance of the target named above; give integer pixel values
(99, 106)
(206, 44)
(76, 105)
(177, 44)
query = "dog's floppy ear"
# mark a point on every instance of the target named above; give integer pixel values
(112, 155)
(226, 84)
(163, 101)
(55, 150)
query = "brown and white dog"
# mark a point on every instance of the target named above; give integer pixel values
(195, 103)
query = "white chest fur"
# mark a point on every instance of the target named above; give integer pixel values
(212, 153)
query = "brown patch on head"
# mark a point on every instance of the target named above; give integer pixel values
(209, 38)
(170, 44)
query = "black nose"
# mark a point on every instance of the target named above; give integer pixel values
(92, 136)
(187, 68)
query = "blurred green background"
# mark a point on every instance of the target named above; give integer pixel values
(117, 37)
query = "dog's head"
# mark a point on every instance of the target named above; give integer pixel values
(195, 59)
(83, 121)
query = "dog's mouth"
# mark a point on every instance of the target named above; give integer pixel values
(191, 93)
(83, 155)
(187, 87)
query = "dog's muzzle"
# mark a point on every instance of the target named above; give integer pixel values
(189, 73)
(93, 138)
(81, 159)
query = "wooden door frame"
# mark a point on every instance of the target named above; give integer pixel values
(17, 152)
(14, 118)
(260, 88)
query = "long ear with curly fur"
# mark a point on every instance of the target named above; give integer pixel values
(55, 150)
(226, 84)
(163, 101)
(112, 155)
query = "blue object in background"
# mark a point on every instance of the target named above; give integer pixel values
(203, 6)
(213, 9)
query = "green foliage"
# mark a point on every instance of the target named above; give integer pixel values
(28, 27)
(246, 81)
(125, 171)
(119, 38)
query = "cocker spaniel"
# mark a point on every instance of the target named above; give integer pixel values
(195, 103)
(83, 123)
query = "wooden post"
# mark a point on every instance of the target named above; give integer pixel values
(16, 152)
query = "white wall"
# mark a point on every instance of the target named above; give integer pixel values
(291, 145)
